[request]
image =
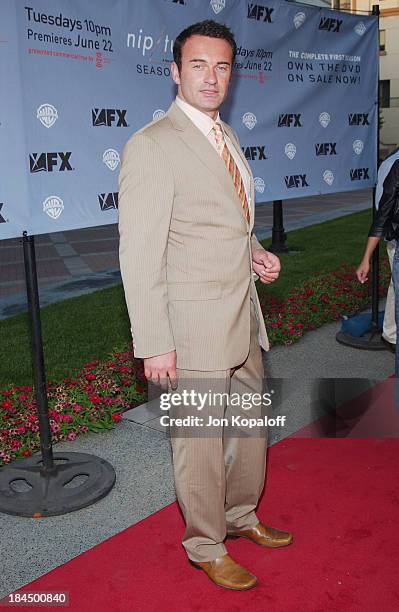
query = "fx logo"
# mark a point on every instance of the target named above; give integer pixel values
(260, 13)
(358, 119)
(288, 120)
(359, 174)
(108, 116)
(2, 220)
(326, 148)
(108, 200)
(296, 180)
(45, 162)
(254, 152)
(331, 25)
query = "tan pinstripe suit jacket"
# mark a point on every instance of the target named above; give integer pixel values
(185, 247)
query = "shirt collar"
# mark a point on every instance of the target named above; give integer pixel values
(201, 120)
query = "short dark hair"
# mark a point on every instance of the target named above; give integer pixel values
(203, 28)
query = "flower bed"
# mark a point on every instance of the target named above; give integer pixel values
(95, 399)
(92, 401)
(322, 299)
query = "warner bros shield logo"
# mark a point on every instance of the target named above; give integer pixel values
(53, 206)
(47, 115)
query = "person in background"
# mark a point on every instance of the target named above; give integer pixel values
(386, 225)
(389, 325)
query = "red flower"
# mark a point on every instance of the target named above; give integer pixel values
(90, 364)
(95, 399)
(6, 404)
(140, 389)
(90, 376)
(116, 417)
(26, 453)
(279, 323)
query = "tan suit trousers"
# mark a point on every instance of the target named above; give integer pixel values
(219, 479)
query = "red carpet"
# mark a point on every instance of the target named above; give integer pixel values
(372, 414)
(340, 497)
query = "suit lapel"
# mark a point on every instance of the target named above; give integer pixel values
(205, 152)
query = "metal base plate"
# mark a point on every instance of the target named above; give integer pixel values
(77, 480)
(369, 341)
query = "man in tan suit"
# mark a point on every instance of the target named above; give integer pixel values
(188, 259)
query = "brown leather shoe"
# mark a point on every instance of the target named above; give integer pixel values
(225, 572)
(264, 535)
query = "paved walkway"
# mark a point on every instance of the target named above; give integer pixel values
(80, 261)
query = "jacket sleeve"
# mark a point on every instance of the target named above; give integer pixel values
(386, 208)
(255, 244)
(146, 192)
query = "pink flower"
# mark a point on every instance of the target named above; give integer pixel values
(71, 436)
(83, 428)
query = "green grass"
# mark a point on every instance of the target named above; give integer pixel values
(322, 248)
(89, 327)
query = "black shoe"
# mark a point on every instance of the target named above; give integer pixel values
(389, 345)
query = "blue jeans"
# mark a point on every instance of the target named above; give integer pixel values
(395, 279)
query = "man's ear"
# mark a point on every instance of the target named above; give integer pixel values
(175, 73)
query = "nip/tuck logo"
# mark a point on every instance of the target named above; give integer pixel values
(295, 181)
(109, 117)
(359, 174)
(260, 12)
(358, 119)
(108, 200)
(329, 24)
(253, 153)
(289, 120)
(326, 148)
(47, 162)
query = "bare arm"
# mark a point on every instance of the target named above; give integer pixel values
(364, 267)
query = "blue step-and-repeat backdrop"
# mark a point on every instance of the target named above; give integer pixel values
(78, 77)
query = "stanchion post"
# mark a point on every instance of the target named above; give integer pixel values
(279, 237)
(37, 351)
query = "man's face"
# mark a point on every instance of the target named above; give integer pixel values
(205, 73)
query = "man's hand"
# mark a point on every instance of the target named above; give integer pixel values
(362, 271)
(158, 368)
(266, 265)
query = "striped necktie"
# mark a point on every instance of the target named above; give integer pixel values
(232, 167)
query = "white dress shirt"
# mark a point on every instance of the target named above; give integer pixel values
(205, 124)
